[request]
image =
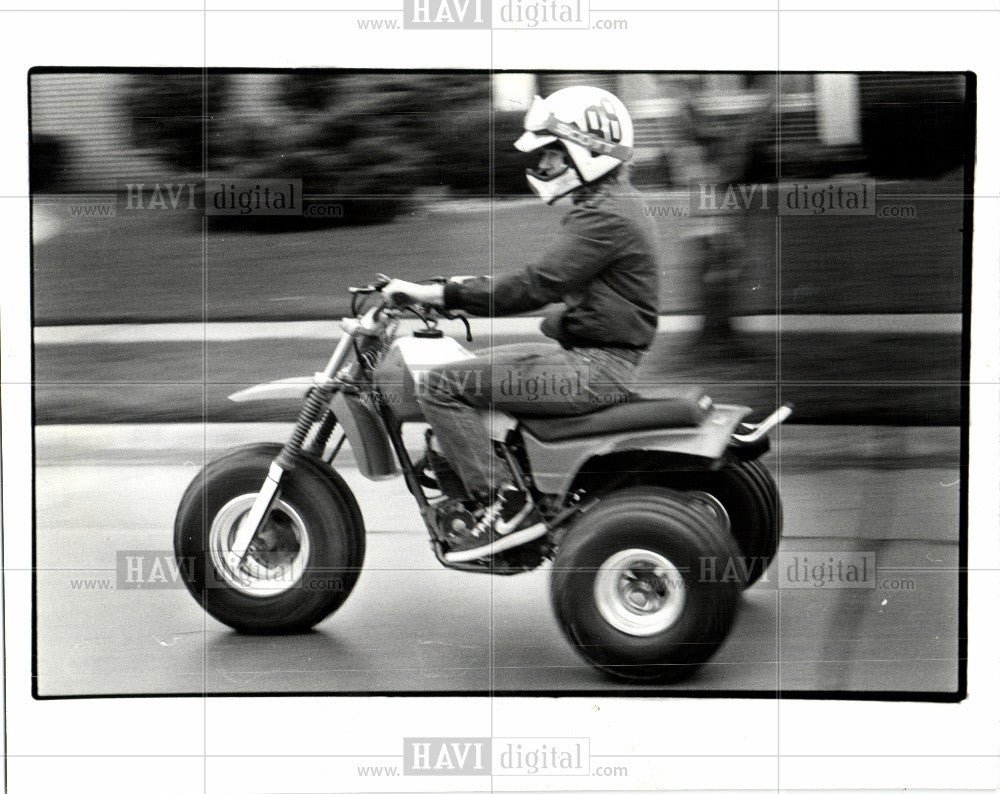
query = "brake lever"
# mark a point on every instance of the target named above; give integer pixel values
(465, 321)
(412, 308)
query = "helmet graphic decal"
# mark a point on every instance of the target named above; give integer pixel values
(603, 120)
(596, 144)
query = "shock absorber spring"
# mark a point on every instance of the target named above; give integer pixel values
(314, 405)
(326, 426)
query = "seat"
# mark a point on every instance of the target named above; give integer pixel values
(649, 409)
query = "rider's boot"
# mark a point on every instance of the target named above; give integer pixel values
(510, 520)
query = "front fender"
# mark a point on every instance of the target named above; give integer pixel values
(285, 389)
(369, 442)
(555, 464)
(365, 433)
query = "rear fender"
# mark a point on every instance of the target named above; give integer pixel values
(556, 464)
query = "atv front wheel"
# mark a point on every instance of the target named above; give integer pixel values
(302, 564)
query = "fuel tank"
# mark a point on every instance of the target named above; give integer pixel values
(402, 372)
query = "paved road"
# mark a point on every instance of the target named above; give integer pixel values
(413, 626)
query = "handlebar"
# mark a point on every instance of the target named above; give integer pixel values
(425, 312)
(381, 280)
(401, 302)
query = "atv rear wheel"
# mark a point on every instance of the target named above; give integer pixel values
(628, 586)
(749, 495)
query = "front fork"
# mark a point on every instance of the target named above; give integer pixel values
(316, 403)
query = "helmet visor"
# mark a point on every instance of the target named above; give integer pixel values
(537, 116)
(529, 141)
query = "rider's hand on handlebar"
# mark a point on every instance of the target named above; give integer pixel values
(404, 292)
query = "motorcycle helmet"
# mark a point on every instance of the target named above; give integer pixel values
(591, 124)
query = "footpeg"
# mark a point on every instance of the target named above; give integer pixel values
(506, 542)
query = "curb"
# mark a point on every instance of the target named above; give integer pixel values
(793, 446)
(109, 334)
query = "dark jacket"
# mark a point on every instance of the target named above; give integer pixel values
(604, 268)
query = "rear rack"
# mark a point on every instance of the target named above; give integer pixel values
(757, 432)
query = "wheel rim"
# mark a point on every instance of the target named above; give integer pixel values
(639, 592)
(277, 557)
(712, 505)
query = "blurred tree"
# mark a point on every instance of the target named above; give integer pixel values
(166, 113)
(719, 152)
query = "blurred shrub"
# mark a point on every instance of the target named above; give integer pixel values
(913, 139)
(805, 160)
(508, 163)
(912, 125)
(350, 139)
(48, 164)
(364, 142)
(462, 162)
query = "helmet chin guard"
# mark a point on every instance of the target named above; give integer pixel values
(554, 187)
(592, 125)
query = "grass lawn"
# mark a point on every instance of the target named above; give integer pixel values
(851, 378)
(158, 266)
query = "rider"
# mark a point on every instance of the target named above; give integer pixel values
(603, 267)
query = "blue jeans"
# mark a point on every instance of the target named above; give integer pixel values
(527, 379)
